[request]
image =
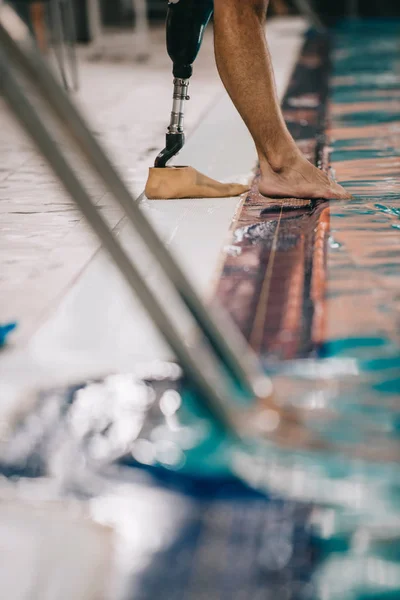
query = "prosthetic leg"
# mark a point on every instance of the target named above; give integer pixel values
(186, 23)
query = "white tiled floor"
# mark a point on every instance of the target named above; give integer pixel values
(76, 317)
(44, 242)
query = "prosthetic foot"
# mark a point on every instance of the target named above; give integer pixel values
(186, 182)
(186, 23)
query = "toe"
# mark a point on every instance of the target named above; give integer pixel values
(235, 189)
(339, 192)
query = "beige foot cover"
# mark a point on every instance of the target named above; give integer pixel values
(186, 182)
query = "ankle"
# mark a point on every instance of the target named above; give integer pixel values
(279, 161)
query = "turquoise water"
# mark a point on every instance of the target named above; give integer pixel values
(367, 55)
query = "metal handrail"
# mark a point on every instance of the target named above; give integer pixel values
(223, 369)
(226, 352)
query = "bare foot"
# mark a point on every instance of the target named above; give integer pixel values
(299, 179)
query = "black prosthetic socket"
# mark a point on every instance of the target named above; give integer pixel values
(186, 22)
